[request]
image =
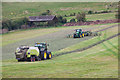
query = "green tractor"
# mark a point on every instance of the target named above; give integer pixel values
(78, 34)
(38, 52)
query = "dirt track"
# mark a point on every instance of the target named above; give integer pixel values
(56, 41)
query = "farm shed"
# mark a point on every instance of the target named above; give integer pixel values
(48, 20)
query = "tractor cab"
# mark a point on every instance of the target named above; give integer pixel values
(41, 46)
(78, 31)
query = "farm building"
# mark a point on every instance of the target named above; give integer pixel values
(48, 20)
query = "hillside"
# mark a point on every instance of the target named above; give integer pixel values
(24, 9)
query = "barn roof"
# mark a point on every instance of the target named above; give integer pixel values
(42, 18)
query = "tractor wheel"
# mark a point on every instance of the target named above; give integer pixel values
(49, 55)
(19, 60)
(43, 55)
(74, 36)
(83, 35)
(80, 36)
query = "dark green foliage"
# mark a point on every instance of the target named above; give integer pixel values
(72, 14)
(48, 12)
(104, 11)
(81, 17)
(25, 20)
(72, 20)
(90, 12)
(6, 24)
(44, 13)
(13, 24)
(60, 19)
(64, 20)
(65, 16)
(117, 16)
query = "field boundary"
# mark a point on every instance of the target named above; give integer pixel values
(92, 22)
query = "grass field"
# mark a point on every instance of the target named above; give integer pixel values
(94, 17)
(100, 61)
(14, 10)
(97, 62)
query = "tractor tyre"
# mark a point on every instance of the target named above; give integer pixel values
(83, 35)
(74, 36)
(49, 55)
(43, 55)
(19, 60)
(80, 36)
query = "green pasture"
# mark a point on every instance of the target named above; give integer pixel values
(94, 17)
(14, 10)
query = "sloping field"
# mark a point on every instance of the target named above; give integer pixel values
(100, 61)
(94, 17)
(24, 9)
(56, 37)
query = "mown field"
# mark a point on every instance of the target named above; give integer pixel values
(53, 36)
(24, 9)
(100, 61)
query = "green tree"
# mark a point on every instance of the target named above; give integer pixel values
(81, 17)
(60, 18)
(72, 20)
(47, 12)
(64, 20)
